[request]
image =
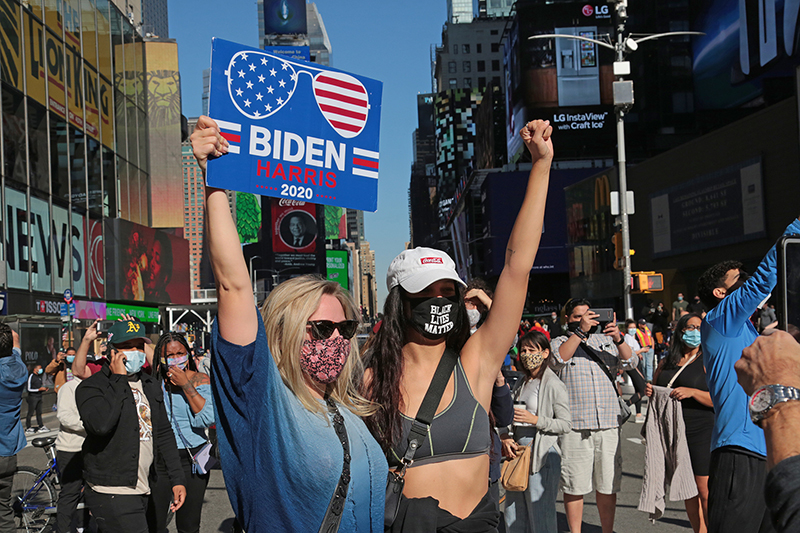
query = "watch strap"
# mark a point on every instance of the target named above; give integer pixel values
(780, 394)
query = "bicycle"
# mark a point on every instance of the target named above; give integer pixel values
(33, 493)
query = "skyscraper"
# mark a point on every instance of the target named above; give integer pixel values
(155, 18)
(460, 11)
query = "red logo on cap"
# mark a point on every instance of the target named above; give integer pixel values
(431, 260)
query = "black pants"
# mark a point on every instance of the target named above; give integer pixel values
(34, 403)
(118, 514)
(71, 466)
(7, 467)
(187, 519)
(736, 492)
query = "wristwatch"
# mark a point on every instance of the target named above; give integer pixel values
(764, 399)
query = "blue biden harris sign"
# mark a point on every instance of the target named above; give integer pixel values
(296, 130)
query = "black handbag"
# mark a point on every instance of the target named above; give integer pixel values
(417, 435)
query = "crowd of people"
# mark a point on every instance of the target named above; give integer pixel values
(408, 433)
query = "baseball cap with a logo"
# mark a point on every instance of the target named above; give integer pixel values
(126, 330)
(417, 268)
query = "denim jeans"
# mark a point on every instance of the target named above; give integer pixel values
(535, 508)
(648, 364)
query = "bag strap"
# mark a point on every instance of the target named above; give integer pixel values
(588, 350)
(678, 373)
(178, 428)
(333, 515)
(427, 410)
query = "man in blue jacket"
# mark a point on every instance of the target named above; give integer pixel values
(738, 458)
(13, 375)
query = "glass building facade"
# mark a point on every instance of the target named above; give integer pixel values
(74, 153)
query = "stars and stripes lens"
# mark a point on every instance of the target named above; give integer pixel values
(259, 84)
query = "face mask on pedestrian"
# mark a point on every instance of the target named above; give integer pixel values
(39, 371)
(532, 360)
(324, 359)
(680, 298)
(70, 359)
(691, 338)
(474, 317)
(632, 331)
(434, 317)
(179, 361)
(134, 361)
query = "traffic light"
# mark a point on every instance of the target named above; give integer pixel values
(644, 282)
(618, 250)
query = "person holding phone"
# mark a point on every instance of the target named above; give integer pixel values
(738, 451)
(122, 409)
(590, 452)
(190, 407)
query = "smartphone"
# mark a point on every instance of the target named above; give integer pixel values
(606, 314)
(103, 326)
(788, 288)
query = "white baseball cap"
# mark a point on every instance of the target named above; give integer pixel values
(417, 268)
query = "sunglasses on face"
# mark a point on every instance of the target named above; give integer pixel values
(323, 329)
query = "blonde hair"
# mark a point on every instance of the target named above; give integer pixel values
(285, 313)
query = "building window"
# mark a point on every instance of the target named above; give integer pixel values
(482, 82)
(453, 83)
(493, 32)
(495, 47)
(481, 66)
(466, 66)
(495, 65)
(468, 83)
(496, 81)
(478, 48)
(455, 48)
(451, 67)
(465, 48)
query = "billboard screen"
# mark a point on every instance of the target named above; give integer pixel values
(294, 226)
(145, 264)
(163, 85)
(284, 17)
(742, 47)
(567, 81)
(336, 261)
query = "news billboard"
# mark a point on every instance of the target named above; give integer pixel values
(145, 264)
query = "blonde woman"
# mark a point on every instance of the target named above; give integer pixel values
(283, 391)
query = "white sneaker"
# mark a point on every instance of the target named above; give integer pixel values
(640, 418)
(43, 429)
(30, 430)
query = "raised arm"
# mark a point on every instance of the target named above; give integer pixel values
(79, 367)
(237, 321)
(490, 343)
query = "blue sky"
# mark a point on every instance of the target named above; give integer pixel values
(388, 40)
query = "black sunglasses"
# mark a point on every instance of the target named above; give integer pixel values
(323, 329)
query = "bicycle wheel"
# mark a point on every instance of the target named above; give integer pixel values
(34, 502)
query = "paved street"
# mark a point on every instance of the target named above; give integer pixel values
(217, 514)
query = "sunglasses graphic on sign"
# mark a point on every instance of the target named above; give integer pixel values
(260, 85)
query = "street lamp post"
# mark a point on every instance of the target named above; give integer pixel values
(253, 278)
(623, 100)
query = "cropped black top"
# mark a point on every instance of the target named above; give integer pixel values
(460, 431)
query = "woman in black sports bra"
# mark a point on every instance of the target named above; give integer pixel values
(424, 313)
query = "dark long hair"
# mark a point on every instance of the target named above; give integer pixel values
(384, 359)
(161, 347)
(676, 347)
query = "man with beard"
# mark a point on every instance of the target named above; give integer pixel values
(738, 449)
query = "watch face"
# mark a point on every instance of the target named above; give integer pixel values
(761, 400)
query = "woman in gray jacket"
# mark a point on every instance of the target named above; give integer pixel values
(546, 416)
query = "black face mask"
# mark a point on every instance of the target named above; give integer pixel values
(434, 318)
(574, 326)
